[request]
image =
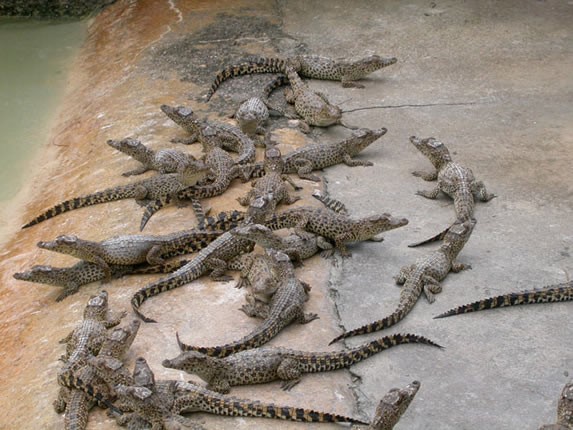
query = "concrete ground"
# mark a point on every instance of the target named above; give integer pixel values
(493, 81)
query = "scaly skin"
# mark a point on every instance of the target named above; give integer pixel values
(251, 115)
(392, 406)
(286, 306)
(456, 181)
(147, 189)
(308, 66)
(213, 258)
(211, 134)
(564, 410)
(272, 184)
(424, 275)
(550, 294)
(131, 249)
(338, 227)
(198, 399)
(258, 276)
(331, 203)
(223, 170)
(164, 160)
(261, 365)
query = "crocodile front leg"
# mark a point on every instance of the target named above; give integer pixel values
(349, 161)
(431, 194)
(304, 169)
(478, 189)
(431, 287)
(426, 176)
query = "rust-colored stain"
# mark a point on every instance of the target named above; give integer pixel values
(115, 89)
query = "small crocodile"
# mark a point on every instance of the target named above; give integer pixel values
(392, 406)
(423, 276)
(456, 181)
(164, 160)
(251, 115)
(308, 66)
(213, 258)
(286, 306)
(261, 365)
(564, 410)
(146, 189)
(199, 399)
(211, 134)
(131, 249)
(550, 294)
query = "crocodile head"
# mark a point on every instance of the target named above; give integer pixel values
(61, 242)
(273, 160)
(393, 405)
(457, 236)
(261, 209)
(362, 138)
(97, 307)
(432, 148)
(375, 62)
(128, 145)
(181, 116)
(328, 114)
(142, 373)
(375, 224)
(196, 363)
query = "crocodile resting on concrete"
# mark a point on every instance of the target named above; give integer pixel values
(423, 276)
(146, 189)
(308, 66)
(564, 410)
(261, 365)
(286, 306)
(550, 294)
(456, 181)
(164, 160)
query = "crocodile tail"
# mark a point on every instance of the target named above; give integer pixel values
(328, 361)
(331, 203)
(252, 66)
(195, 241)
(259, 336)
(436, 238)
(109, 195)
(67, 379)
(389, 321)
(178, 278)
(279, 81)
(561, 293)
(146, 269)
(152, 208)
(223, 221)
(77, 409)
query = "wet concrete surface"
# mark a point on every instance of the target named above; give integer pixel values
(492, 81)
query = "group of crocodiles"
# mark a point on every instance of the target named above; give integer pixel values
(93, 370)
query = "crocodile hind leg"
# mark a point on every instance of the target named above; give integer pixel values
(219, 267)
(152, 208)
(429, 194)
(404, 273)
(289, 372)
(288, 179)
(478, 189)
(304, 169)
(431, 287)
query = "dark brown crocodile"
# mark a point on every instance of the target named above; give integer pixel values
(423, 276)
(261, 365)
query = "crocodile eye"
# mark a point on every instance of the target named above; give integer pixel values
(67, 240)
(434, 143)
(181, 110)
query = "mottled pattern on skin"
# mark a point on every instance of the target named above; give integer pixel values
(213, 258)
(286, 306)
(550, 294)
(564, 410)
(308, 66)
(456, 181)
(423, 276)
(392, 406)
(251, 115)
(211, 134)
(199, 399)
(338, 227)
(261, 365)
(164, 160)
(146, 189)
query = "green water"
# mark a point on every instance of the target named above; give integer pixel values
(34, 59)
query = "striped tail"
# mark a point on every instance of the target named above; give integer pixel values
(223, 221)
(553, 294)
(152, 208)
(279, 81)
(331, 203)
(389, 321)
(109, 195)
(328, 361)
(67, 379)
(259, 336)
(183, 276)
(252, 66)
(436, 238)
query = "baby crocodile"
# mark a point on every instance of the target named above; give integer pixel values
(551, 294)
(261, 365)
(424, 275)
(392, 406)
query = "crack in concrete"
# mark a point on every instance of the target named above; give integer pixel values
(414, 105)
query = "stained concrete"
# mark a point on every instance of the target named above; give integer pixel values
(491, 80)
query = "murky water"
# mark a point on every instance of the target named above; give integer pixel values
(34, 56)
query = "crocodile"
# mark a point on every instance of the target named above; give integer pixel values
(272, 183)
(146, 189)
(392, 406)
(455, 180)
(308, 66)
(423, 276)
(564, 410)
(286, 306)
(261, 365)
(79, 387)
(199, 399)
(164, 160)
(251, 115)
(550, 294)
(223, 170)
(211, 134)
(213, 258)
(337, 227)
(131, 249)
